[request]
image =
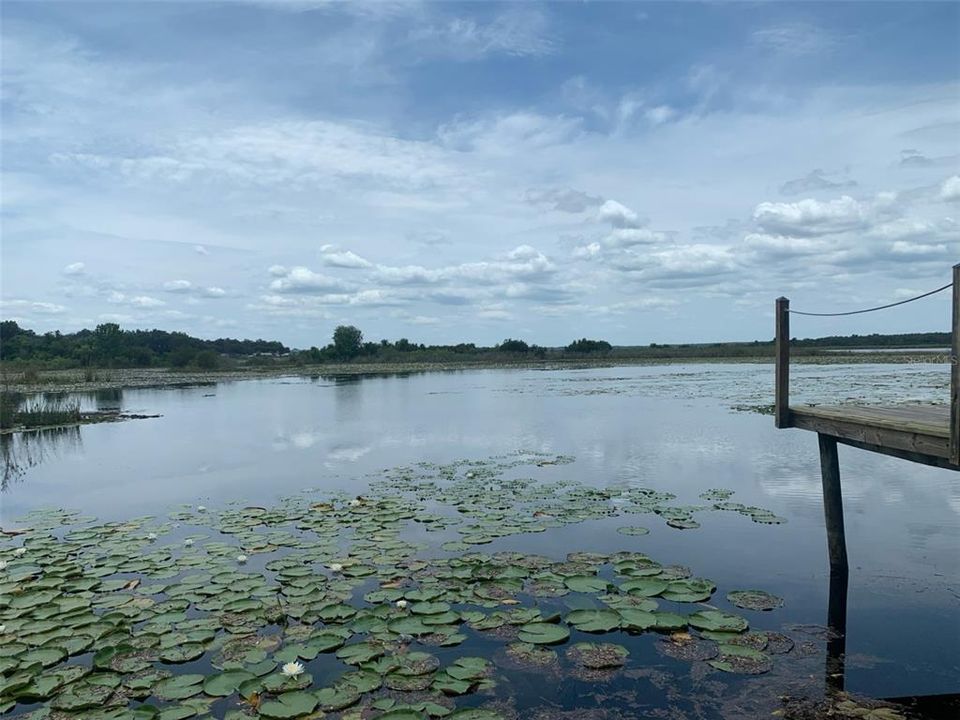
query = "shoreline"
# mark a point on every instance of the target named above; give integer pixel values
(73, 381)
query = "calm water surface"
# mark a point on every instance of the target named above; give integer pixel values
(667, 427)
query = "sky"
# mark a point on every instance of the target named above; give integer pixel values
(468, 172)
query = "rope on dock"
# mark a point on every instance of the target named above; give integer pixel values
(879, 307)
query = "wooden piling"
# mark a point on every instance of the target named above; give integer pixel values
(837, 624)
(781, 405)
(955, 372)
(832, 502)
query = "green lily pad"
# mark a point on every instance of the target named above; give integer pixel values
(543, 633)
(718, 621)
(633, 530)
(586, 583)
(594, 620)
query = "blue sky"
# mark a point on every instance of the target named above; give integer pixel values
(472, 171)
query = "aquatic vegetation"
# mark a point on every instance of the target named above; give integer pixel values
(755, 600)
(155, 617)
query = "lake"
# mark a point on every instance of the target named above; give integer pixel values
(625, 431)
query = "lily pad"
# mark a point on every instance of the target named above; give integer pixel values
(598, 655)
(754, 600)
(543, 634)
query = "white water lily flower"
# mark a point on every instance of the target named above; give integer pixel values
(292, 669)
(241, 559)
(188, 542)
(3, 565)
(201, 508)
(336, 567)
(151, 536)
(354, 503)
(3, 629)
(20, 552)
(402, 604)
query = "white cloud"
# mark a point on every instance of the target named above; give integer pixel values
(303, 280)
(214, 292)
(178, 286)
(520, 31)
(811, 217)
(620, 216)
(32, 307)
(950, 190)
(505, 135)
(200, 250)
(76, 268)
(660, 114)
(342, 258)
(146, 301)
(795, 39)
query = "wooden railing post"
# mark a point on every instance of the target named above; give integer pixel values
(781, 405)
(955, 372)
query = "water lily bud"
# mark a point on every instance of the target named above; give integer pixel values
(20, 552)
(241, 559)
(188, 542)
(336, 567)
(402, 604)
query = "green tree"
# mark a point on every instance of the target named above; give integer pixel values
(513, 346)
(347, 341)
(207, 360)
(108, 343)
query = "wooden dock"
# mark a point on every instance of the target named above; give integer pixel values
(928, 434)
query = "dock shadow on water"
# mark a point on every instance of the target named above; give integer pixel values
(410, 600)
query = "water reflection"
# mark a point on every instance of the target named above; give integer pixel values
(24, 450)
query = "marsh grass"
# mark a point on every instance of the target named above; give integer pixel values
(40, 413)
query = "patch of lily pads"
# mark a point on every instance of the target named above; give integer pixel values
(323, 605)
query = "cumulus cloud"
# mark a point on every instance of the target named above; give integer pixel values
(810, 217)
(950, 190)
(342, 258)
(620, 216)
(200, 250)
(145, 301)
(303, 280)
(213, 292)
(178, 286)
(31, 307)
(76, 268)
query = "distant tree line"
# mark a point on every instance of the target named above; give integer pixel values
(348, 345)
(876, 340)
(109, 346)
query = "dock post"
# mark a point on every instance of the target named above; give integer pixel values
(832, 502)
(955, 372)
(837, 624)
(781, 405)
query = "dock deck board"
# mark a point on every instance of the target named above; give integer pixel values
(919, 432)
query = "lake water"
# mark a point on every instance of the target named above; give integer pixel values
(667, 428)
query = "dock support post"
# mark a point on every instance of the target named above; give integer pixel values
(832, 502)
(837, 624)
(839, 570)
(955, 372)
(781, 405)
